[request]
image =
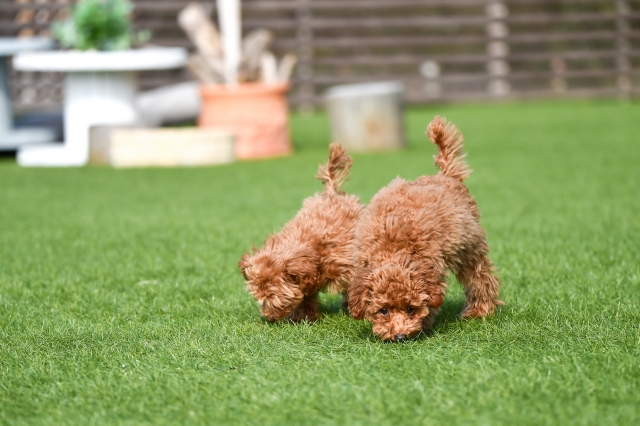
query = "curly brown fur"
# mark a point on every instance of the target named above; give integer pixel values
(410, 236)
(312, 252)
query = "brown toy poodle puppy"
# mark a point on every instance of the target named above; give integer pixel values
(410, 236)
(312, 252)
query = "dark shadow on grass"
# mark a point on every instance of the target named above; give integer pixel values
(449, 313)
(331, 304)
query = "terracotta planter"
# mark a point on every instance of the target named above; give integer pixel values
(258, 114)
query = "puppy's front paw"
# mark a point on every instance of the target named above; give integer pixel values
(308, 310)
(301, 314)
(479, 310)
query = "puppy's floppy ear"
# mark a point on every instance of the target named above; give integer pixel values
(359, 293)
(243, 264)
(436, 298)
(431, 294)
(302, 264)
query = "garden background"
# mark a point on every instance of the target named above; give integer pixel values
(120, 297)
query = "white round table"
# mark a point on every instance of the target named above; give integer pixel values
(99, 89)
(11, 138)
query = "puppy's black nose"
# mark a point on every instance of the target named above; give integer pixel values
(271, 319)
(399, 337)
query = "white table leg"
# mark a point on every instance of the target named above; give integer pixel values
(91, 98)
(11, 138)
(6, 112)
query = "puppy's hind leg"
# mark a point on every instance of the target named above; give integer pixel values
(307, 309)
(481, 287)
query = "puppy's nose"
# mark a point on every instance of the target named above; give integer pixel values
(399, 337)
(271, 319)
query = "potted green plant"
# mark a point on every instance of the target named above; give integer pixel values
(99, 25)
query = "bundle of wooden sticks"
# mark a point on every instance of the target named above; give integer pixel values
(214, 63)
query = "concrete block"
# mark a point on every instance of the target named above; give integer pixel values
(163, 147)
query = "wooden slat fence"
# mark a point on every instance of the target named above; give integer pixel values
(442, 50)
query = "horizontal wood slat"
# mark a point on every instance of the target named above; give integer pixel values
(468, 77)
(466, 58)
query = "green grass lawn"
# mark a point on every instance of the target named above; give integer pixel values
(121, 302)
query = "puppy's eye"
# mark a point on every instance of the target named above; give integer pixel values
(410, 310)
(384, 311)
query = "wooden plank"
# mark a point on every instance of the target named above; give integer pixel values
(395, 22)
(561, 36)
(465, 58)
(320, 80)
(409, 22)
(396, 4)
(415, 97)
(14, 27)
(304, 51)
(462, 77)
(349, 44)
(401, 41)
(567, 74)
(623, 49)
(17, 7)
(175, 6)
(165, 147)
(164, 25)
(445, 21)
(606, 92)
(406, 41)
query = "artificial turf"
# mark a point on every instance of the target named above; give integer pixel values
(121, 301)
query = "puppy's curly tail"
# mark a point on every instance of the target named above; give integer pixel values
(450, 159)
(335, 172)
